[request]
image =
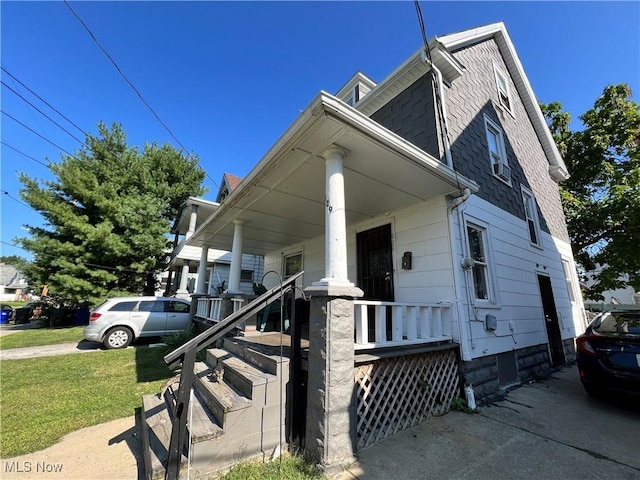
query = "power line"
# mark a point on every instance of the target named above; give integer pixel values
(43, 100)
(33, 131)
(24, 154)
(17, 200)
(44, 114)
(124, 76)
(117, 67)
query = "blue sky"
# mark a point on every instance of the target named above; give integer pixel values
(228, 78)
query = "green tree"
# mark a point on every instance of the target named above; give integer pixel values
(601, 199)
(14, 260)
(108, 214)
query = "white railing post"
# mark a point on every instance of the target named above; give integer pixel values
(381, 324)
(412, 327)
(396, 322)
(361, 313)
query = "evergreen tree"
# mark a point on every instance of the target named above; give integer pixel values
(602, 197)
(108, 215)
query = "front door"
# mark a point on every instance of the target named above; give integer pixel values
(375, 263)
(551, 321)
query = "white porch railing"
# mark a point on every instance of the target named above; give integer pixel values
(410, 323)
(209, 308)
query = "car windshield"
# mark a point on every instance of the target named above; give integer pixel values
(625, 323)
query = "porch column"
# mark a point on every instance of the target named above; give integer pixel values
(193, 219)
(202, 271)
(236, 257)
(184, 278)
(335, 225)
(331, 407)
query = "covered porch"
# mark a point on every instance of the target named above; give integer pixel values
(332, 170)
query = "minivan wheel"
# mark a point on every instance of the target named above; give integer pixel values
(119, 337)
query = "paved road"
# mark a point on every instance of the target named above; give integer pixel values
(543, 431)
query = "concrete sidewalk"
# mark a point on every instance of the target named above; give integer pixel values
(547, 430)
(50, 350)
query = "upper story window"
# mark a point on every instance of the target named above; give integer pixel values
(477, 241)
(504, 92)
(497, 151)
(566, 266)
(531, 213)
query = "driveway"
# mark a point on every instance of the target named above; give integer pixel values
(546, 430)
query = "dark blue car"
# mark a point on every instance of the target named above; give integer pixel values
(608, 353)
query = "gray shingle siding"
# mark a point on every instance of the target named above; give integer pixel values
(470, 98)
(411, 115)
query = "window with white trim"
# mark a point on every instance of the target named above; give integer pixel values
(477, 241)
(566, 267)
(497, 151)
(504, 92)
(531, 214)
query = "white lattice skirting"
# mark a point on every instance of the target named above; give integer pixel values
(399, 392)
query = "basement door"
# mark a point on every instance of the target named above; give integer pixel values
(375, 263)
(551, 321)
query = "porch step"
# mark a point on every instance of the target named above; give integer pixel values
(245, 378)
(238, 416)
(156, 434)
(256, 355)
(219, 397)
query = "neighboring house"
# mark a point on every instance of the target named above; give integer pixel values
(187, 274)
(619, 296)
(435, 252)
(13, 283)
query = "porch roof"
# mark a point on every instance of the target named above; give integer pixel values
(282, 200)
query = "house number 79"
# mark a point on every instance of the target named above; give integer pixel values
(329, 206)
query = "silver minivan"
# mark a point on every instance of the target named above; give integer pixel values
(118, 321)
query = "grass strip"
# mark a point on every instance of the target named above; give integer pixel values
(44, 399)
(287, 467)
(41, 336)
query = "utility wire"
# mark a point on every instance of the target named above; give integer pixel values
(124, 76)
(33, 131)
(44, 115)
(43, 100)
(135, 89)
(22, 153)
(15, 199)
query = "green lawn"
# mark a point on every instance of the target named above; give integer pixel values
(287, 467)
(44, 399)
(41, 336)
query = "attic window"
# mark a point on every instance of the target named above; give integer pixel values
(224, 193)
(504, 93)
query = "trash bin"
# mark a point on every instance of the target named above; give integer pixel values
(22, 315)
(82, 316)
(4, 316)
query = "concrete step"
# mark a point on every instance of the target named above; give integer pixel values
(156, 434)
(253, 353)
(241, 375)
(221, 399)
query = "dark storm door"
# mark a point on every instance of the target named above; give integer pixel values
(375, 263)
(551, 321)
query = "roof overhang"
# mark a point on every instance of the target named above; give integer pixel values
(408, 73)
(205, 209)
(498, 32)
(282, 200)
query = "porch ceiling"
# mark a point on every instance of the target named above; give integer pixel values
(282, 200)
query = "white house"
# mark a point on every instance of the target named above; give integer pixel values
(424, 211)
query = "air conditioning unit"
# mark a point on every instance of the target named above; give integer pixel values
(502, 170)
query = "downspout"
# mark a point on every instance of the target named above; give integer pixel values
(453, 204)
